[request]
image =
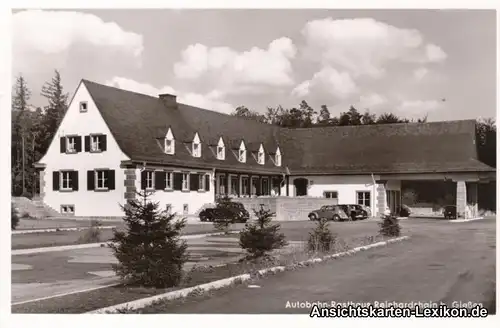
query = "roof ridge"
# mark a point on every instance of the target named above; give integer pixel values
(118, 89)
(381, 124)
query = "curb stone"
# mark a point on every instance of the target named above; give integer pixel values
(219, 284)
(466, 220)
(94, 245)
(22, 232)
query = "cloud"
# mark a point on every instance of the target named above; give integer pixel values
(417, 107)
(371, 100)
(364, 46)
(328, 81)
(435, 53)
(420, 73)
(51, 32)
(213, 100)
(231, 70)
(144, 88)
(75, 43)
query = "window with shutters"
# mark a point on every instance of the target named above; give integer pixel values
(149, 180)
(66, 180)
(185, 181)
(101, 180)
(71, 145)
(169, 181)
(96, 142)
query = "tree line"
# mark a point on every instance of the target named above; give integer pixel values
(34, 128)
(304, 116)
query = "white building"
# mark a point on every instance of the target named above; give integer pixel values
(112, 143)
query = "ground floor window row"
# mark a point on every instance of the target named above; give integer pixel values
(181, 181)
(246, 185)
(362, 197)
(97, 180)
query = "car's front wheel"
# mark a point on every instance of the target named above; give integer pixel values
(313, 217)
(336, 218)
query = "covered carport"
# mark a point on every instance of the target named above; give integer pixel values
(465, 187)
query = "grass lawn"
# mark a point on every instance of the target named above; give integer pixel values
(33, 224)
(93, 300)
(61, 238)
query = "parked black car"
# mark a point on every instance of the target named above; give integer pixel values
(329, 212)
(450, 212)
(355, 211)
(235, 212)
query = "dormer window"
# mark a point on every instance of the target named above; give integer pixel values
(261, 156)
(169, 143)
(221, 150)
(196, 146)
(242, 153)
(196, 150)
(277, 157)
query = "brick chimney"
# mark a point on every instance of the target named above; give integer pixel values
(169, 100)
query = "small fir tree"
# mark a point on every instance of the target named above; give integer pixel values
(14, 221)
(321, 239)
(150, 253)
(389, 227)
(261, 237)
(223, 223)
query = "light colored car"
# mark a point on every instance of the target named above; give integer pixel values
(329, 212)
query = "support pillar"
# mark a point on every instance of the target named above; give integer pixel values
(461, 200)
(381, 199)
(472, 199)
(41, 174)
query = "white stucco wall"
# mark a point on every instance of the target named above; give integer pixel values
(87, 203)
(177, 199)
(346, 186)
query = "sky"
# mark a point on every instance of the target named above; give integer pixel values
(413, 63)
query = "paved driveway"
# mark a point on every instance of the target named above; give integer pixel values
(441, 262)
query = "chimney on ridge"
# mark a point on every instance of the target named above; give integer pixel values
(169, 100)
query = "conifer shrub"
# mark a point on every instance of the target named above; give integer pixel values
(14, 216)
(261, 237)
(321, 239)
(225, 219)
(389, 227)
(150, 252)
(92, 234)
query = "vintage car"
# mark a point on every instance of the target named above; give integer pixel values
(234, 212)
(329, 212)
(450, 212)
(355, 211)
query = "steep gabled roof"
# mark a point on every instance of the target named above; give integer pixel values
(138, 122)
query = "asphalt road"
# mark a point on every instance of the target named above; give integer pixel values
(442, 261)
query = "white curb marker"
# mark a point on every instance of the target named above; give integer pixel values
(467, 220)
(22, 232)
(94, 245)
(218, 284)
(64, 294)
